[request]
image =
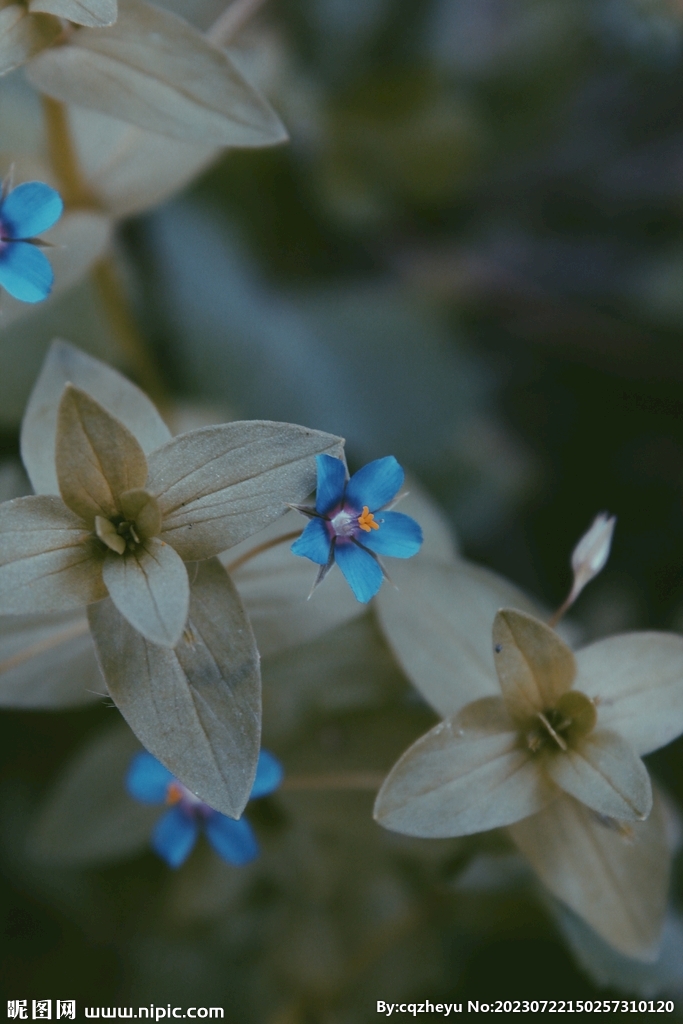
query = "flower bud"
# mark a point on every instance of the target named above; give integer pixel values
(591, 553)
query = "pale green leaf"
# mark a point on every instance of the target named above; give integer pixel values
(138, 506)
(22, 35)
(614, 877)
(48, 561)
(636, 681)
(604, 772)
(468, 774)
(150, 588)
(347, 668)
(88, 817)
(91, 13)
(439, 623)
(197, 708)
(154, 70)
(48, 661)
(97, 458)
(65, 364)
(217, 485)
(611, 969)
(440, 543)
(130, 169)
(535, 667)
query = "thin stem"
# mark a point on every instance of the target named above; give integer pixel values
(564, 607)
(129, 338)
(77, 194)
(79, 628)
(367, 781)
(266, 546)
(62, 153)
(233, 18)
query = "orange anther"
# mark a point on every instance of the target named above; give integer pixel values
(366, 520)
(174, 793)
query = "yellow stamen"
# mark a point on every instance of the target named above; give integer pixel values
(174, 793)
(366, 520)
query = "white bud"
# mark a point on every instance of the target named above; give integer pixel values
(591, 553)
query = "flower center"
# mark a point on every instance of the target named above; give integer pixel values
(558, 728)
(366, 520)
(118, 534)
(176, 793)
(344, 523)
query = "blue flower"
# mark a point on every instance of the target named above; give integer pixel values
(177, 830)
(343, 527)
(25, 212)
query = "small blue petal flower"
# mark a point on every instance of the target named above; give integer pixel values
(174, 836)
(331, 482)
(375, 484)
(347, 528)
(362, 573)
(30, 209)
(314, 542)
(269, 775)
(232, 840)
(176, 831)
(147, 779)
(398, 536)
(25, 271)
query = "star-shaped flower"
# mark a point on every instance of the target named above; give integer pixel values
(348, 525)
(557, 756)
(176, 832)
(25, 212)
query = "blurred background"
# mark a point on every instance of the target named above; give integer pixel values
(470, 256)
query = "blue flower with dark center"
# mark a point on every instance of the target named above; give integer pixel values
(25, 212)
(176, 832)
(348, 525)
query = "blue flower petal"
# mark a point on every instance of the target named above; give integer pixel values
(29, 209)
(398, 536)
(232, 840)
(362, 572)
(269, 775)
(147, 779)
(331, 480)
(374, 485)
(174, 836)
(25, 271)
(314, 542)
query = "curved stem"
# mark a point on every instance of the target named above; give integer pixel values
(78, 195)
(266, 546)
(63, 157)
(129, 338)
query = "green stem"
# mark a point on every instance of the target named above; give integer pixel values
(77, 195)
(129, 338)
(266, 546)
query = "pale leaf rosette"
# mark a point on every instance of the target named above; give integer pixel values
(121, 508)
(550, 743)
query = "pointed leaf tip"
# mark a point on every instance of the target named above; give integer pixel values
(96, 456)
(63, 364)
(535, 667)
(197, 707)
